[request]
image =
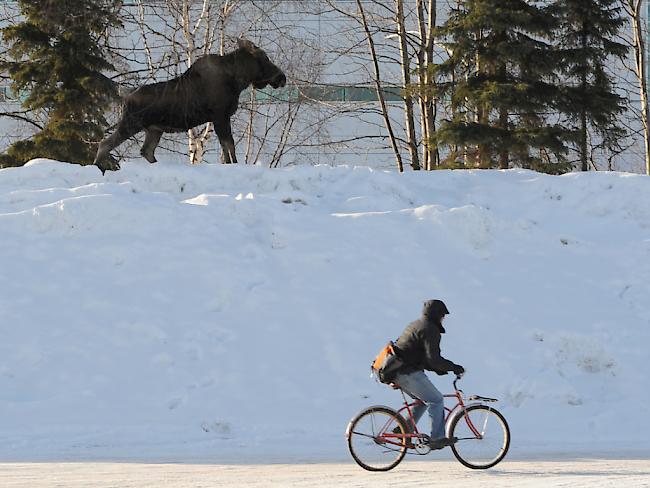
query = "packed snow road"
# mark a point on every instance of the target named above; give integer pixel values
(573, 473)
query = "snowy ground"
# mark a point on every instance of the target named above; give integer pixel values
(171, 313)
(522, 474)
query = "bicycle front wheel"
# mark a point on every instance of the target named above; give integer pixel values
(376, 438)
(483, 437)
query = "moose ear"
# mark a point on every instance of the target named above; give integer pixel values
(246, 44)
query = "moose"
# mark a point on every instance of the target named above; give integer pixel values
(207, 92)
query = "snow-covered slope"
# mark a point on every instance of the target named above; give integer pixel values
(231, 313)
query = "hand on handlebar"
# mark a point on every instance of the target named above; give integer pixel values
(458, 370)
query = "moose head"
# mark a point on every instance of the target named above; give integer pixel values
(267, 73)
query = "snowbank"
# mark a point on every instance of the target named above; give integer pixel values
(230, 313)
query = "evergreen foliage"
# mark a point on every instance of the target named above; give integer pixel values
(500, 80)
(57, 68)
(585, 40)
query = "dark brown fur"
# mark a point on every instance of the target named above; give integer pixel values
(207, 92)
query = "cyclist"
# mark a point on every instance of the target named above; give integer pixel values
(419, 349)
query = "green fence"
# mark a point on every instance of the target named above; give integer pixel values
(325, 93)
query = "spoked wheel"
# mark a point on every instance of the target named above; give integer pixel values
(367, 442)
(483, 437)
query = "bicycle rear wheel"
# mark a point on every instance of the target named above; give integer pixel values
(483, 437)
(366, 441)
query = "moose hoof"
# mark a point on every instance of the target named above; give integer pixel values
(149, 157)
(108, 166)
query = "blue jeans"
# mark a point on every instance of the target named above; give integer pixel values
(418, 385)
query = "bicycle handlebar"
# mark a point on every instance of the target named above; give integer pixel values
(458, 376)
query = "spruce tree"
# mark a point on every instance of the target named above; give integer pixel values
(500, 81)
(586, 40)
(57, 66)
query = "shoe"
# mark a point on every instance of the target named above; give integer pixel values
(441, 443)
(409, 444)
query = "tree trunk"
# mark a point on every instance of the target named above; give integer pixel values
(434, 154)
(422, 82)
(584, 166)
(380, 93)
(640, 61)
(430, 154)
(406, 79)
(503, 153)
(482, 117)
(584, 163)
(197, 143)
(197, 138)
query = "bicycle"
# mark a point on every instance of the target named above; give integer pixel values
(379, 436)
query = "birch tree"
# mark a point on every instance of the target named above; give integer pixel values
(378, 85)
(633, 10)
(426, 15)
(194, 28)
(406, 80)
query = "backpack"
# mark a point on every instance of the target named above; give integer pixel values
(386, 364)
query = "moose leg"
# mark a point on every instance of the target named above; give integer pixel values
(121, 134)
(151, 140)
(224, 133)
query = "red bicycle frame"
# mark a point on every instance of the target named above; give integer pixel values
(413, 428)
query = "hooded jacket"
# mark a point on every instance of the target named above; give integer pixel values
(419, 344)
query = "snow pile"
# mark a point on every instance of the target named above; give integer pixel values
(231, 313)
